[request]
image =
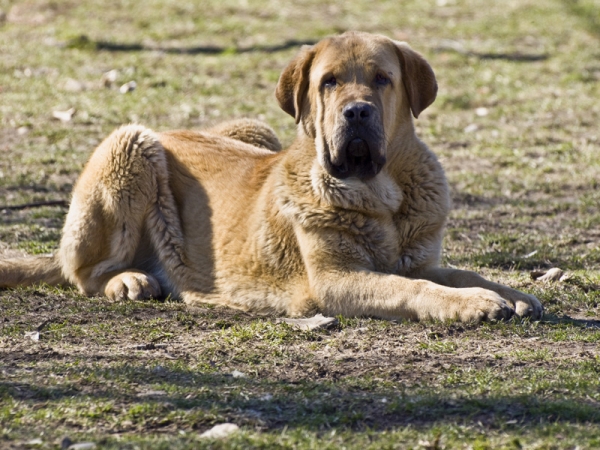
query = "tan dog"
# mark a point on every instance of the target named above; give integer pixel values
(348, 220)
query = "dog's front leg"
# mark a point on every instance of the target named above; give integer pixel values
(341, 283)
(525, 305)
(366, 293)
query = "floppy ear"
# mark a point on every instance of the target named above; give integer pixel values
(418, 78)
(293, 82)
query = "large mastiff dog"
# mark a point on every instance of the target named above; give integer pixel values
(348, 220)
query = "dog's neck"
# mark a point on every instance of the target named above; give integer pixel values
(378, 195)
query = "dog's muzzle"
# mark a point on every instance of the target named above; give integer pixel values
(359, 160)
(361, 152)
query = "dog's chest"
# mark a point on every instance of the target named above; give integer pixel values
(419, 224)
(378, 242)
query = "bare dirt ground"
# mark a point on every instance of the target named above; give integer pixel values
(515, 125)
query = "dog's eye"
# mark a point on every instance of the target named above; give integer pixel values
(330, 82)
(381, 80)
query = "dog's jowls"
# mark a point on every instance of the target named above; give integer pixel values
(348, 220)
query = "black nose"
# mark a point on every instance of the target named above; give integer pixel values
(357, 112)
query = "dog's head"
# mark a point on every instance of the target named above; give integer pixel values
(351, 93)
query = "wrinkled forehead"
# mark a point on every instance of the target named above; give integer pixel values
(356, 56)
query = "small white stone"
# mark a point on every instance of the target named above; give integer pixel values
(33, 335)
(64, 116)
(220, 431)
(128, 87)
(151, 394)
(73, 85)
(554, 274)
(471, 128)
(83, 446)
(311, 323)
(108, 78)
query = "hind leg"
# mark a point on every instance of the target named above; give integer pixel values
(250, 131)
(112, 199)
(132, 284)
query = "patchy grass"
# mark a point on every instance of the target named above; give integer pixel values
(516, 127)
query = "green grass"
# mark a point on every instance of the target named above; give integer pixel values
(524, 179)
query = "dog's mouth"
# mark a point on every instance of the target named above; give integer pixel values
(358, 159)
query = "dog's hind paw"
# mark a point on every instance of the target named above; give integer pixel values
(132, 285)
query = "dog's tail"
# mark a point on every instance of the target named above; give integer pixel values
(30, 270)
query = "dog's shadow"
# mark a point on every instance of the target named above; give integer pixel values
(579, 322)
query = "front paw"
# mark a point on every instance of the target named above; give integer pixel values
(468, 305)
(526, 305)
(404, 265)
(476, 305)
